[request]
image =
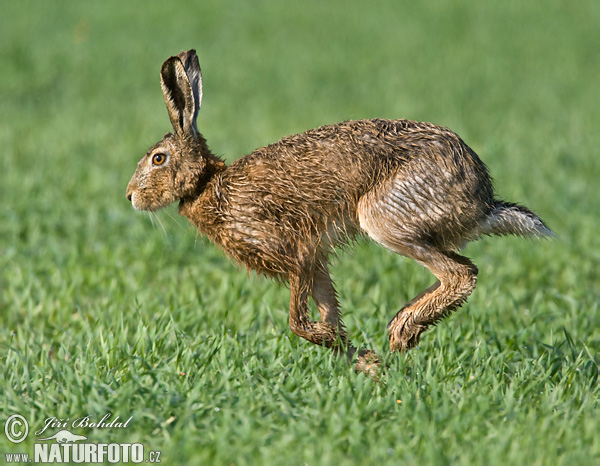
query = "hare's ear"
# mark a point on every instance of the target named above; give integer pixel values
(181, 82)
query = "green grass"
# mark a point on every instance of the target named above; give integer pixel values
(101, 311)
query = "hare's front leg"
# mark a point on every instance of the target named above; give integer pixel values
(330, 330)
(325, 297)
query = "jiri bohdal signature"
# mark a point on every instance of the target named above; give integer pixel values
(85, 422)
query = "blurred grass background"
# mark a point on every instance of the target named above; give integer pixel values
(101, 311)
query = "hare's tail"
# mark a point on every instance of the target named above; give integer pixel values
(507, 218)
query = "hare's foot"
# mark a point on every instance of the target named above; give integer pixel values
(319, 333)
(368, 363)
(403, 333)
(405, 329)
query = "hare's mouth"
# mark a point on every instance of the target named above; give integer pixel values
(141, 202)
(134, 201)
(138, 203)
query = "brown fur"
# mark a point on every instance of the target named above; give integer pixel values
(415, 188)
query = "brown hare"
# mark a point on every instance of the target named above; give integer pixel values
(415, 188)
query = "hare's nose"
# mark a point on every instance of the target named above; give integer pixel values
(129, 192)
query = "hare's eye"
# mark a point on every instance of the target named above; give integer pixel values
(159, 159)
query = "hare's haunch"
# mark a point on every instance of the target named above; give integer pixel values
(415, 188)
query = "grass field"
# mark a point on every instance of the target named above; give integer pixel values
(103, 310)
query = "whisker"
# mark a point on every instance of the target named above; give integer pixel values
(174, 219)
(162, 227)
(149, 215)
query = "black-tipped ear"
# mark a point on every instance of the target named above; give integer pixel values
(181, 82)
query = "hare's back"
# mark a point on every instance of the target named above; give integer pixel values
(391, 178)
(351, 158)
(345, 159)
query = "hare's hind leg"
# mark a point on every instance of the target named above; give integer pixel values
(457, 276)
(420, 219)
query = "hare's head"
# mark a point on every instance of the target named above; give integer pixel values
(178, 165)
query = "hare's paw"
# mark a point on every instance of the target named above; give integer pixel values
(324, 331)
(369, 363)
(404, 334)
(320, 333)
